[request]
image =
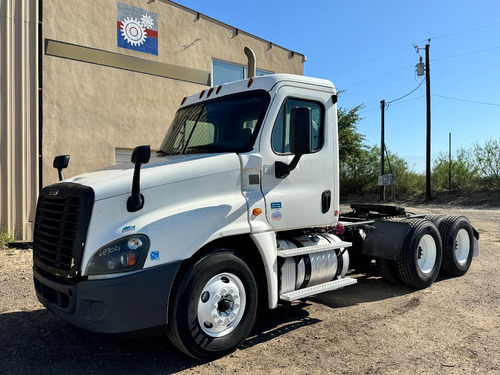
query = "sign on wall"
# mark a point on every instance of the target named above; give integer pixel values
(137, 29)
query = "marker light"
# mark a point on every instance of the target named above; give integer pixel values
(256, 211)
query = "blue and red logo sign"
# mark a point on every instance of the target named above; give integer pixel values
(137, 29)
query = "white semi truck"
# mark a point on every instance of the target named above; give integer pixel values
(239, 209)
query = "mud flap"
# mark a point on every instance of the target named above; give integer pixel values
(385, 239)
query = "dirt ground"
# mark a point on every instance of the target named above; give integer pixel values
(373, 327)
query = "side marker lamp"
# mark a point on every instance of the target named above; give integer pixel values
(256, 211)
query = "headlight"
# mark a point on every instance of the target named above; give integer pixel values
(122, 255)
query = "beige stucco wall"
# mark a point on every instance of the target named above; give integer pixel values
(18, 115)
(89, 109)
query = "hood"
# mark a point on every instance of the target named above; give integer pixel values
(163, 170)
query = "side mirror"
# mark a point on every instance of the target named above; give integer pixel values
(300, 140)
(61, 162)
(300, 130)
(140, 155)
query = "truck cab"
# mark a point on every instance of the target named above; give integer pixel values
(238, 208)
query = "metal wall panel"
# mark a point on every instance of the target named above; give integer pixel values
(18, 115)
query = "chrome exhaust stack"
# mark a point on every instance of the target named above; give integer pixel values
(251, 62)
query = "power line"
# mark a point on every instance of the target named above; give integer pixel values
(466, 100)
(369, 61)
(381, 75)
(404, 96)
(466, 53)
(404, 101)
(412, 45)
(433, 60)
(460, 32)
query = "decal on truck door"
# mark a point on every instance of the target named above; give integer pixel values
(277, 215)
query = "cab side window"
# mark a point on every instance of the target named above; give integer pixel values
(281, 132)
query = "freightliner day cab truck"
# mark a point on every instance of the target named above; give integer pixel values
(239, 209)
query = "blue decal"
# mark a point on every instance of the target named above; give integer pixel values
(275, 205)
(155, 255)
(128, 229)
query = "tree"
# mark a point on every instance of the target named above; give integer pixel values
(488, 161)
(354, 158)
(350, 141)
(358, 172)
(464, 172)
(407, 180)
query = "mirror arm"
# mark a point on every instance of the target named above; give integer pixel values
(136, 201)
(61, 162)
(140, 156)
(282, 170)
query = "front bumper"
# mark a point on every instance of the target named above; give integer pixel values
(115, 305)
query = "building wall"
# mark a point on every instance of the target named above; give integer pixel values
(18, 115)
(97, 97)
(90, 109)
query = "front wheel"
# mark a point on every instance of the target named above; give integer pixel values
(214, 306)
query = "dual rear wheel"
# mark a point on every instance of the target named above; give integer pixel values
(434, 244)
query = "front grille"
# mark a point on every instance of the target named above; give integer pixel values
(61, 224)
(55, 297)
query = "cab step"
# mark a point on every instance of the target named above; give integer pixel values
(316, 289)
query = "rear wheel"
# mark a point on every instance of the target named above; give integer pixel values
(420, 260)
(458, 245)
(435, 218)
(388, 270)
(213, 308)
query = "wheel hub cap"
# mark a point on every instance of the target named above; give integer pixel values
(427, 254)
(221, 305)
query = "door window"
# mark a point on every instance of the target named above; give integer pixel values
(281, 132)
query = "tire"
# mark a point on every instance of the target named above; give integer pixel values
(421, 255)
(214, 306)
(435, 218)
(458, 245)
(388, 270)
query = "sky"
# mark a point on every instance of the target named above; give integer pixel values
(368, 50)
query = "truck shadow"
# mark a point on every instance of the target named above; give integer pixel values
(39, 342)
(370, 288)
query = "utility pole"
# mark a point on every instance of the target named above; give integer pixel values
(420, 72)
(449, 164)
(428, 101)
(382, 146)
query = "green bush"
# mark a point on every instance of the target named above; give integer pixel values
(487, 159)
(464, 173)
(5, 238)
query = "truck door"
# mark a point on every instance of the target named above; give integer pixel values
(304, 198)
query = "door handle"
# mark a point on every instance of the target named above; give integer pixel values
(326, 201)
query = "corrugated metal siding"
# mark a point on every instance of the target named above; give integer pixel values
(18, 115)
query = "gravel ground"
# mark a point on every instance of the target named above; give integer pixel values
(373, 327)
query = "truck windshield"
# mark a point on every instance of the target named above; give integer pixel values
(227, 124)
